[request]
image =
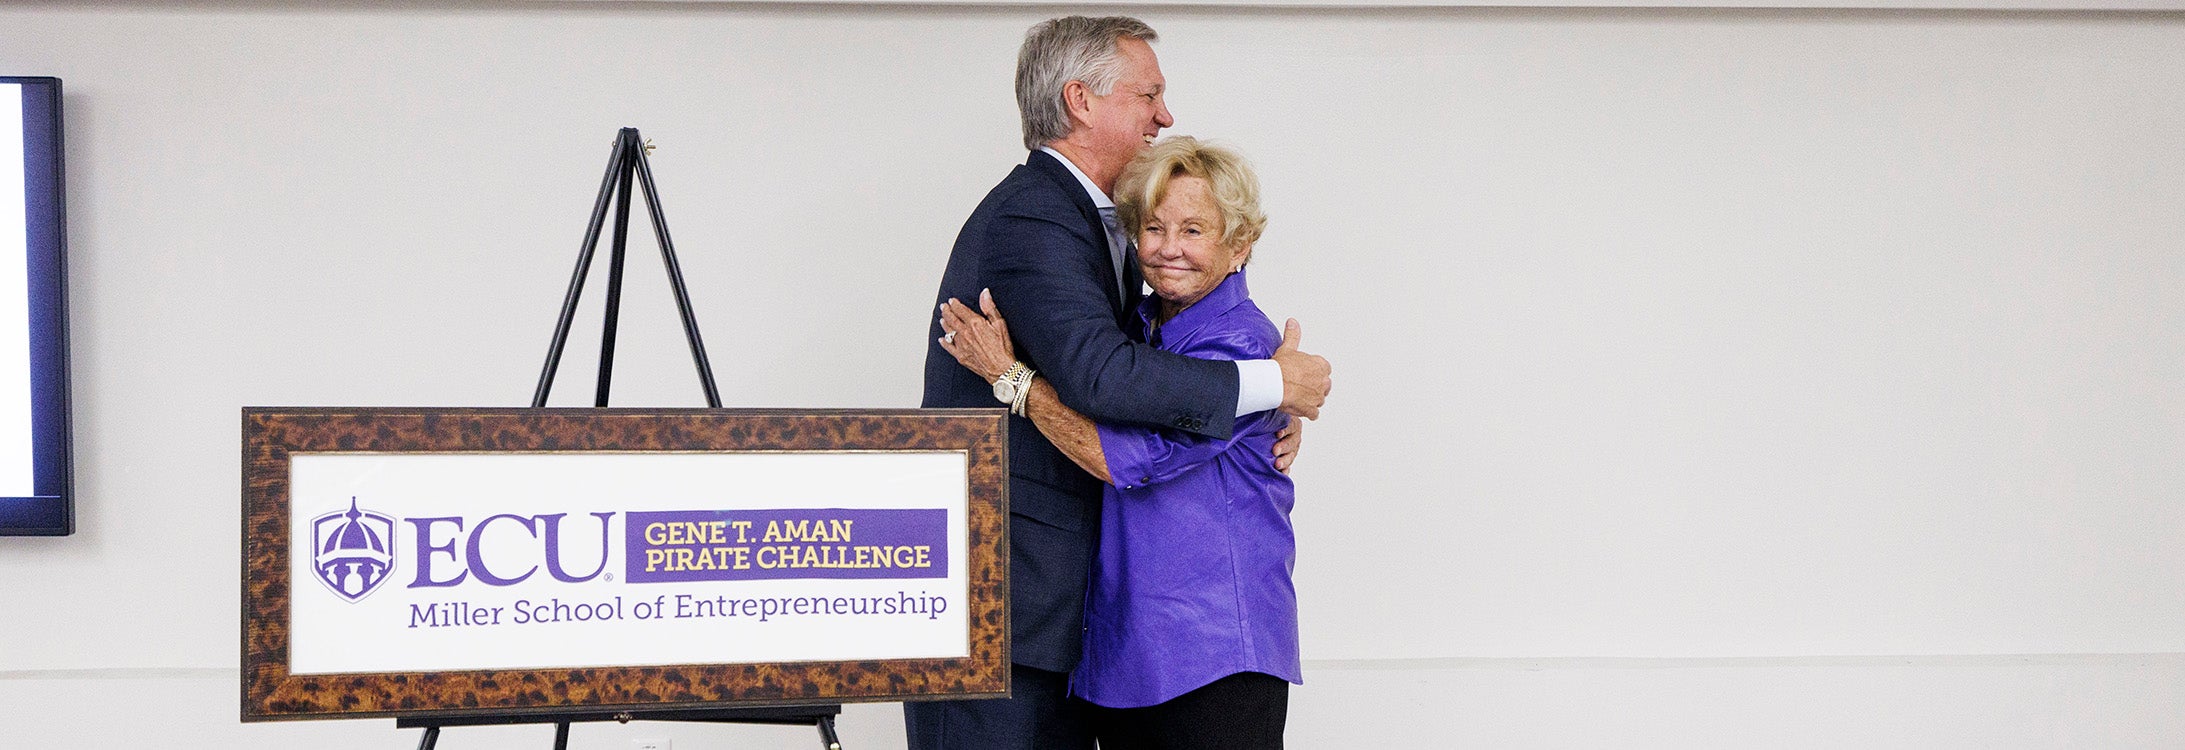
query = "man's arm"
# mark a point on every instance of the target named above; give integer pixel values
(1138, 456)
(1125, 455)
(1051, 281)
(979, 340)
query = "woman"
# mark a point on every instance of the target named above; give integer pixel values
(1191, 618)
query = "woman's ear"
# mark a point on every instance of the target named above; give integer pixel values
(1244, 255)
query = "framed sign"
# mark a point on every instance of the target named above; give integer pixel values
(438, 562)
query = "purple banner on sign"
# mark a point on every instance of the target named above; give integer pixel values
(752, 545)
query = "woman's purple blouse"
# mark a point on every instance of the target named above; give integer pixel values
(1192, 580)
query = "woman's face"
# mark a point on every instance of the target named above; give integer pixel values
(1179, 247)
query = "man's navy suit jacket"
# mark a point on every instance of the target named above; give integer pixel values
(1038, 243)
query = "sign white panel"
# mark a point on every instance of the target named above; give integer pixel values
(467, 561)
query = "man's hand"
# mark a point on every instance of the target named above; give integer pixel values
(1286, 444)
(1305, 381)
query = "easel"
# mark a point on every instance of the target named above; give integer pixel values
(628, 164)
(821, 716)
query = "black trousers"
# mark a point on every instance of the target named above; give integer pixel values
(1244, 711)
(1041, 716)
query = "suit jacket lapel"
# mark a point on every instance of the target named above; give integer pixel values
(1134, 285)
(1125, 314)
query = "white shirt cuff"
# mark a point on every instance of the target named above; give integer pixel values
(1259, 385)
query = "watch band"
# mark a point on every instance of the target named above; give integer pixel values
(1024, 395)
(1013, 385)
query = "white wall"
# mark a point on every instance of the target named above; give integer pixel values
(1704, 377)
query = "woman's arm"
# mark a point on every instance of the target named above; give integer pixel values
(982, 344)
(1070, 431)
(1140, 455)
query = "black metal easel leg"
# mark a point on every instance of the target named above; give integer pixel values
(615, 158)
(616, 256)
(675, 280)
(822, 717)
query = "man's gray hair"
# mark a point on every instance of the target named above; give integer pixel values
(1061, 50)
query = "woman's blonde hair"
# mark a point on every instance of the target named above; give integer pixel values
(1144, 184)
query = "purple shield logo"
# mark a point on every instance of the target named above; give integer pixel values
(353, 551)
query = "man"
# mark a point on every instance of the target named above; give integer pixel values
(1090, 93)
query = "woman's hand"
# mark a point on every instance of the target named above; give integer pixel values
(979, 342)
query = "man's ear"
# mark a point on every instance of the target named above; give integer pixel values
(1077, 101)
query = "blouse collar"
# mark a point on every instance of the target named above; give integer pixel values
(1225, 297)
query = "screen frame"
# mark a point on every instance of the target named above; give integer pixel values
(50, 510)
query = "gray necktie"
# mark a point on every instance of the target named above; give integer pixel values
(1116, 243)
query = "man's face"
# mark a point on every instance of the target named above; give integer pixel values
(1127, 120)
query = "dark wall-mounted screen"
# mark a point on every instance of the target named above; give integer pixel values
(35, 496)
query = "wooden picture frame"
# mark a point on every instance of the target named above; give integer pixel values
(274, 438)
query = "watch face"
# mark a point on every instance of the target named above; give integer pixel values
(1005, 391)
